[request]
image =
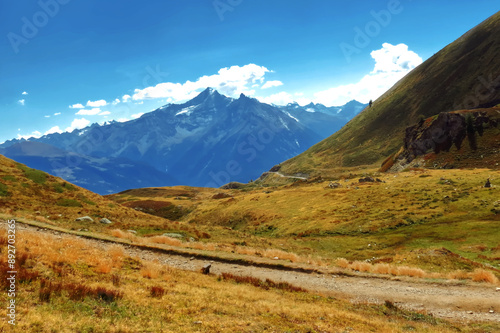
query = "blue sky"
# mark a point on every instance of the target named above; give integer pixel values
(114, 60)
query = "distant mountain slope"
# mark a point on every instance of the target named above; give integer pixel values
(465, 74)
(207, 141)
(322, 119)
(102, 175)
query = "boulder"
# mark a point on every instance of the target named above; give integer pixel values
(84, 219)
(367, 180)
(488, 184)
(105, 221)
(173, 235)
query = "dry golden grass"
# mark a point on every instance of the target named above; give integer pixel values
(342, 263)
(195, 301)
(150, 270)
(482, 275)
(360, 266)
(165, 240)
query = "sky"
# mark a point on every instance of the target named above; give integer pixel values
(65, 64)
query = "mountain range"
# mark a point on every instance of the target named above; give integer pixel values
(208, 141)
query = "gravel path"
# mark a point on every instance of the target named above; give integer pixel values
(454, 300)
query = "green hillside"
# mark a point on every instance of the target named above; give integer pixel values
(464, 75)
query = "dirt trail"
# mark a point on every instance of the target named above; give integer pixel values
(454, 301)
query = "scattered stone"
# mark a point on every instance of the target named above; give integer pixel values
(132, 232)
(276, 258)
(191, 239)
(206, 269)
(498, 289)
(38, 212)
(198, 322)
(173, 235)
(378, 180)
(84, 219)
(334, 185)
(488, 183)
(492, 311)
(105, 221)
(192, 258)
(470, 312)
(367, 180)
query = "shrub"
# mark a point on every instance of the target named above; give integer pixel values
(37, 176)
(482, 275)
(68, 203)
(360, 266)
(157, 291)
(3, 190)
(149, 271)
(342, 262)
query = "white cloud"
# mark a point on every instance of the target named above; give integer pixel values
(34, 134)
(47, 116)
(57, 114)
(24, 93)
(137, 115)
(126, 98)
(282, 98)
(91, 112)
(270, 84)
(116, 101)
(122, 120)
(54, 129)
(392, 63)
(21, 101)
(229, 81)
(77, 106)
(78, 124)
(104, 113)
(97, 104)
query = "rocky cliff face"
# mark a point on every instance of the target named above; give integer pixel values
(438, 135)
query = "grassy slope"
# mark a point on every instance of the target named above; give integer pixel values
(410, 215)
(36, 195)
(56, 267)
(445, 82)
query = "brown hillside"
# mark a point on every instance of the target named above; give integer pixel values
(464, 75)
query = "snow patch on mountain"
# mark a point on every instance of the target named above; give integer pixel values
(187, 111)
(292, 117)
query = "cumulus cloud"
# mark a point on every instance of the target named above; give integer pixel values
(35, 134)
(270, 84)
(48, 116)
(21, 102)
(57, 114)
(126, 98)
(77, 124)
(24, 93)
(54, 129)
(116, 101)
(230, 81)
(91, 112)
(104, 113)
(96, 104)
(137, 115)
(77, 106)
(282, 98)
(392, 63)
